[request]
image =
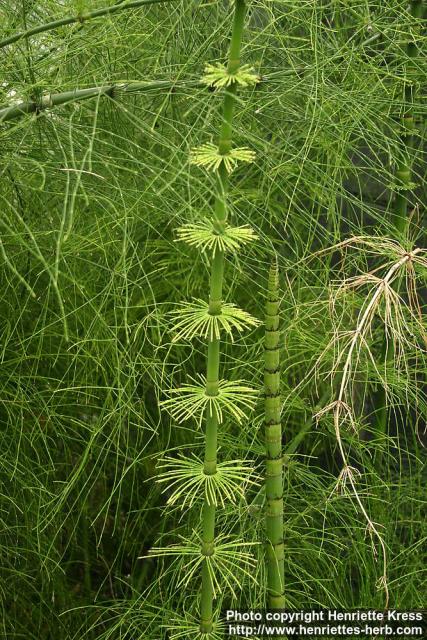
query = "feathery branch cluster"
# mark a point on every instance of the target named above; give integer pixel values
(220, 558)
(217, 75)
(204, 236)
(195, 320)
(187, 481)
(193, 401)
(209, 157)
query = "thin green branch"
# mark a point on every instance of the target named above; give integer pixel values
(61, 22)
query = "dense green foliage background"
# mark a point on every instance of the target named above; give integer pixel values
(92, 193)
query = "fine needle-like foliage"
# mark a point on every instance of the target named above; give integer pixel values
(273, 443)
(403, 185)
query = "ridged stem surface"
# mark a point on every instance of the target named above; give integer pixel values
(273, 444)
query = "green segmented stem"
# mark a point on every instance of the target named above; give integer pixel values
(215, 303)
(51, 100)
(273, 444)
(401, 204)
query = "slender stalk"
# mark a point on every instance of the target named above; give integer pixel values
(62, 22)
(401, 218)
(84, 524)
(215, 305)
(273, 444)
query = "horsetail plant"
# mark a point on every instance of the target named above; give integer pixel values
(273, 445)
(209, 398)
(100, 211)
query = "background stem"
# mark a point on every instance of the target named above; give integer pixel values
(401, 218)
(405, 162)
(62, 22)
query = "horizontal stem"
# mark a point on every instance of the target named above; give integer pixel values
(61, 22)
(56, 99)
